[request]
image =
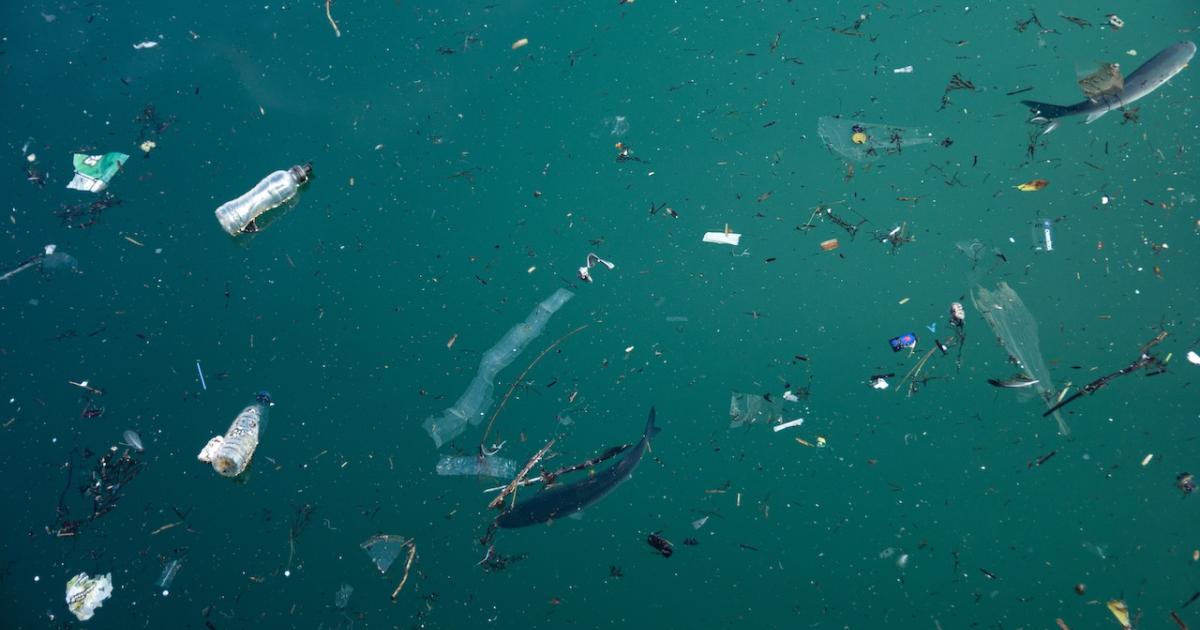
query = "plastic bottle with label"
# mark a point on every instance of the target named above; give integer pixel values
(229, 454)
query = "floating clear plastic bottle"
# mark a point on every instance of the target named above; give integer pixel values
(238, 216)
(229, 454)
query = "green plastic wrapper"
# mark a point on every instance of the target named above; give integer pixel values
(92, 172)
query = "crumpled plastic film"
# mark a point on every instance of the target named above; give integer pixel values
(86, 594)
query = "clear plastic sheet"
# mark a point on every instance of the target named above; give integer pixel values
(1014, 325)
(476, 401)
(384, 549)
(751, 408)
(477, 465)
(859, 141)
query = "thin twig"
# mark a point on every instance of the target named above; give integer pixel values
(165, 527)
(587, 463)
(1153, 342)
(520, 379)
(336, 30)
(911, 377)
(512, 485)
(412, 553)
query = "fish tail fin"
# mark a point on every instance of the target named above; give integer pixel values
(1045, 112)
(651, 429)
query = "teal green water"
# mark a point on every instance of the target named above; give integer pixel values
(455, 189)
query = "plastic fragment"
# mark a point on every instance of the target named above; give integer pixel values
(722, 238)
(92, 172)
(384, 549)
(1014, 325)
(477, 465)
(1033, 185)
(342, 598)
(168, 574)
(585, 273)
(133, 440)
(477, 399)
(1107, 80)
(861, 141)
(1120, 611)
(787, 425)
(907, 340)
(958, 315)
(85, 595)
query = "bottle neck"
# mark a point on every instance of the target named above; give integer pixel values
(301, 173)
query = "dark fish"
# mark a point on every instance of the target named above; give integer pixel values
(567, 499)
(1016, 382)
(662, 545)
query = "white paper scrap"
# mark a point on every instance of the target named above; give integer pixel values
(721, 238)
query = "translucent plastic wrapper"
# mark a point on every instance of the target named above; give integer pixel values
(229, 454)
(49, 259)
(133, 440)
(863, 141)
(752, 408)
(341, 599)
(384, 549)
(85, 594)
(476, 401)
(478, 465)
(1014, 325)
(168, 573)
